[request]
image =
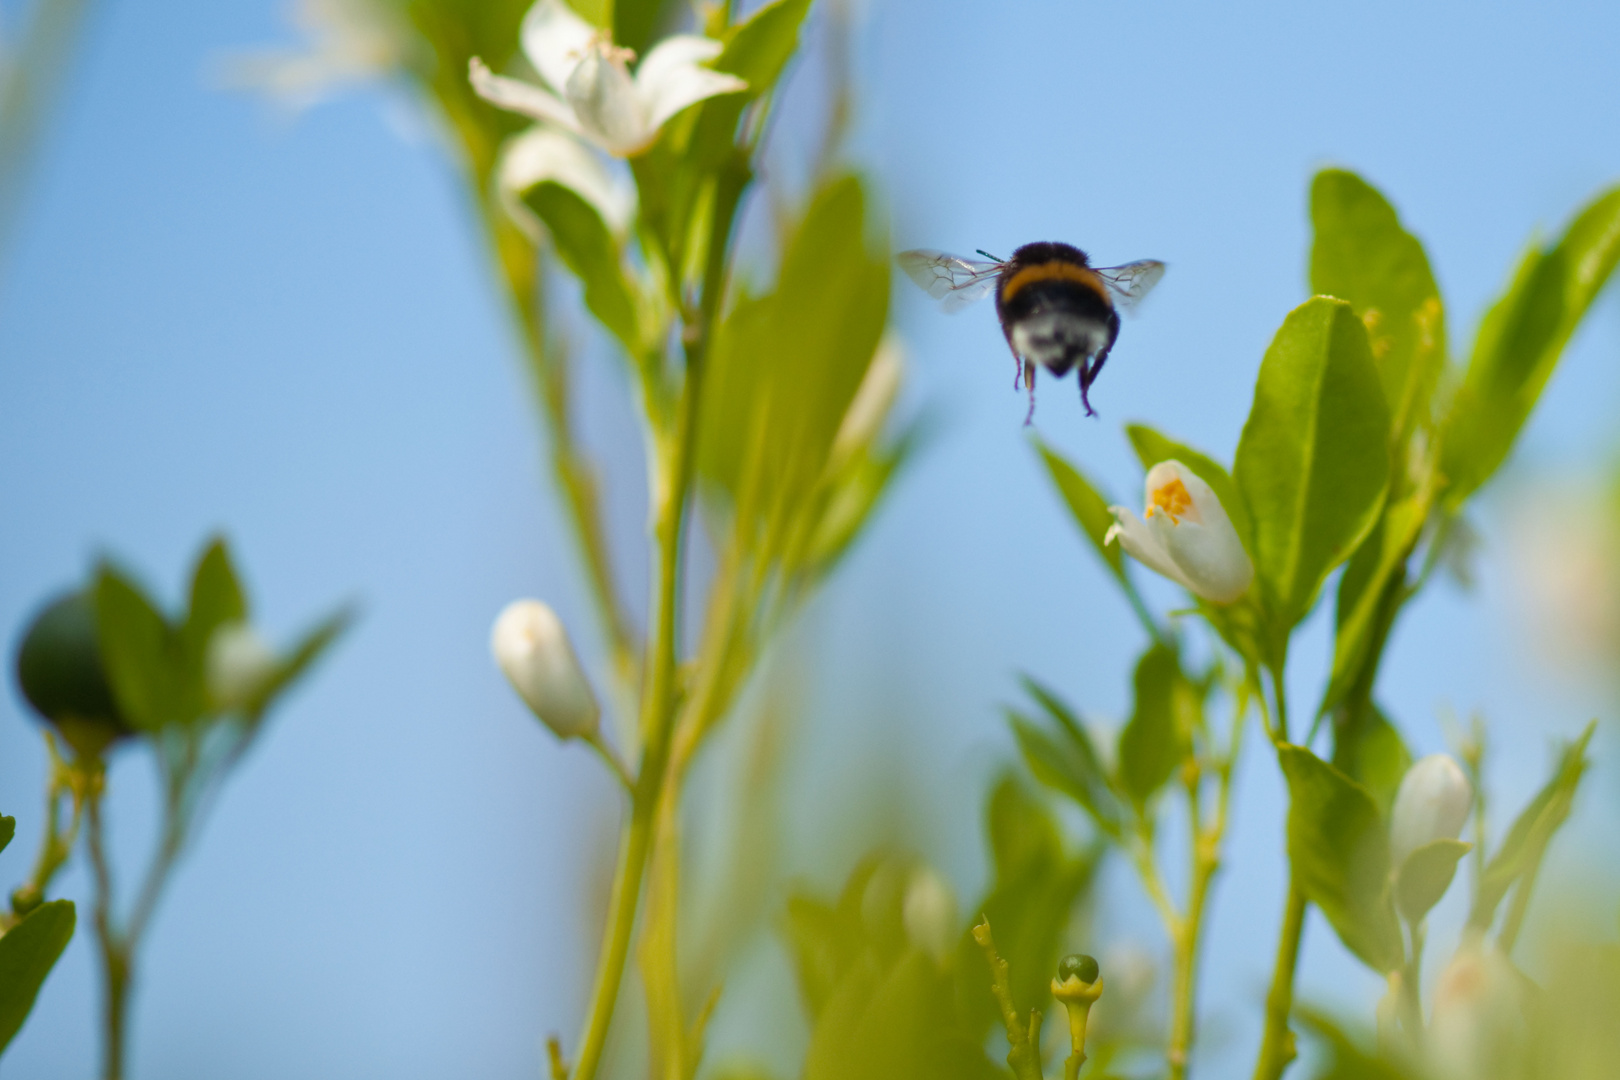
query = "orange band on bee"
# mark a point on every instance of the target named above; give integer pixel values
(1055, 270)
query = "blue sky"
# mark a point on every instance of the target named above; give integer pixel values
(214, 317)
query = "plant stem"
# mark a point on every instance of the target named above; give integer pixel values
(115, 955)
(1277, 1044)
(1411, 1005)
(1023, 1056)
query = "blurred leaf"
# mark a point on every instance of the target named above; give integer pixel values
(1032, 897)
(1062, 756)
(1369, 749)
(1527, 840)
(310, 648)
(1574, 1036)
(785, 368)
(1313, 461)
(1346, 1060)
(760, 48)
(1338, 848)
(587, 247)
(139, 650)
(1520, 342)
(1369, 595)
(1155, 740)
(636, 22)
(1426, 875)
(8, 830)
(1088, 507)
(1151, 448)
(216, 600)
(1363, 255)
(28, 951)
(821, 946)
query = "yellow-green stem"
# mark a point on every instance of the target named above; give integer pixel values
(1277, 1043)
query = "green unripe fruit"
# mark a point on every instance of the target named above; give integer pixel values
(60, 670)
(1080, 966)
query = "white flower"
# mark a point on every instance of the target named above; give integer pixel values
(532, 648)
(1432, 804)
(1477, 1030)
(1187, 536)
(239, 666)
(540, 154)
(599, 98)
(348, 41)
(928, 912)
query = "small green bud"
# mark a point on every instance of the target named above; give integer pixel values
(61, 673)
(1078, 965)
(24, 899)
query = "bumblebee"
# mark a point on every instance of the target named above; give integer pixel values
(1056, 309)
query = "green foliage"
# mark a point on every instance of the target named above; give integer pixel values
(1369, 749)
(28, 951)
(784, 372)
(1519, 857)
(1520, 342)
(1313, 462)
(1363, 255)
(880, 1001)
(1338, 847)
(1061, 755)
(1426, 875)
(586, 246)
(1157, 737)
(1087, 505)
(1035, 887)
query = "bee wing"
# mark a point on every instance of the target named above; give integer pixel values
(954, 281)
(1131, 282)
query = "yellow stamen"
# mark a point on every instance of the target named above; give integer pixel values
(1172, 500)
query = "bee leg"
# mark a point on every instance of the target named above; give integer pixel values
(1029, 381)
(1018, 372)
(1088, 375)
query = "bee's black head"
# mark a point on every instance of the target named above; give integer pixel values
(1047, 251)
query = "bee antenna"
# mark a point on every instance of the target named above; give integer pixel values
(986, 254)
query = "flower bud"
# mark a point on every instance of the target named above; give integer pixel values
(1432, 804)
(62, 675)
(1477, 1030)
(533, 650)
(1186, 536)
(929, 914)
(240, 667)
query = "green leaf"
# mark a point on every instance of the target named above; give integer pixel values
(8, 830)
(587, 247)
(1520, 342)
(1426, 875)
(784, 368)
(636, 22)
(1369, 598)
(139, 650)
(1313, 461)
(1363, 255)
(1338, 849)
(216, 600)
(1063, 757)
(1035, 886)
(28, 951)
(1155, 740)
(760, 48)
(1369, 749)
(294, 664)
(1520, 855)
(1088, 507)
(1152, 447)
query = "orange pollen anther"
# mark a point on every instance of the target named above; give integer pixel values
(1172, 500)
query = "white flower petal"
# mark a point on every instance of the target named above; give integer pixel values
(519, 97)
(1196, 534)
(1431, 804)
(676, 82)
(555, 40)
(532, 648)
(604, 99)
(541, 154)
(1142, 543)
